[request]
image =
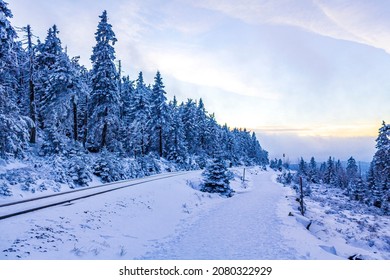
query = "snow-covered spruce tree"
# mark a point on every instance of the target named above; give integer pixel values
(60, 110)
(127, 100)
(213, 135)
(204, 131)
(352, 169)
(352, 176)
(176, 146)
(14, 128)
(258, 155)
(140, 127)
(216, 178)
(330, 172)
(341, 177)
(358, 189)
(313, 175)
(104, 103)
(159, 116)
(227, 142)
(48, 53)
(26, 79)
(302, 168)
(381, 168)
(80, 101)
(191, 126)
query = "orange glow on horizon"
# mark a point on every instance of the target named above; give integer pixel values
(342, 131)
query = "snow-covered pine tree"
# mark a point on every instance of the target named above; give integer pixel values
(104, 103)
(227, 143)
(330, 172)
(159, 116)
(242, 146)
(80, 101)
(31, 85)
(351, 175)
(375, 192)
(48, 54)
(216, 178)
(60, 99)
(26, 80)
(127, 95)
(204, 133)
(212, 136)
(351, 169)
(127, 100)
(302, 168)
(313, 175)
(260, 156)
(280, 164)
(177, 147)
(358, 189)
(381, 167)
(140, 115)
(236, 142)
(14, 128)
(253, 149)
(273, 164)
(191, 126)
(341, 177)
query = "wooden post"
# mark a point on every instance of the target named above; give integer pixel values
(243, 175)
(301, 196)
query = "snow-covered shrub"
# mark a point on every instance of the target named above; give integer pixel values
(78, 171)
(108, 167)
(201, 161)
(191, 163)
(5, 190)
(28, 185)
(48, 184)
(149, 165)
(58, 169)
(175, 157)
(14, 133)
(216, 179)
(15, 176)
(285, 178)
(132, 168)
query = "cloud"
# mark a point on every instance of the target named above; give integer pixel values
(368, 21)
(204, 69)
(338, 130)
(294, 146)
(355, 20)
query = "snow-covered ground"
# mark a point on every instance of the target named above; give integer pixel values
(351, 229)
(171, 219)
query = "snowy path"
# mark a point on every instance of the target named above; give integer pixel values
(242, 227)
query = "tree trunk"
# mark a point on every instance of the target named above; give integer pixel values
(75, 120)
(105, 128)
(33, 131)
(301, 197)
(160, 141)
(85, 122)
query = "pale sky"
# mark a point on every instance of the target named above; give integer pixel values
(312, 77)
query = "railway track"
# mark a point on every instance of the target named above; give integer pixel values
(12, 209)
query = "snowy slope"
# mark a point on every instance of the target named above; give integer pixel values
(171, 219)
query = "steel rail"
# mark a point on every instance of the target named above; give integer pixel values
(68, 200)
